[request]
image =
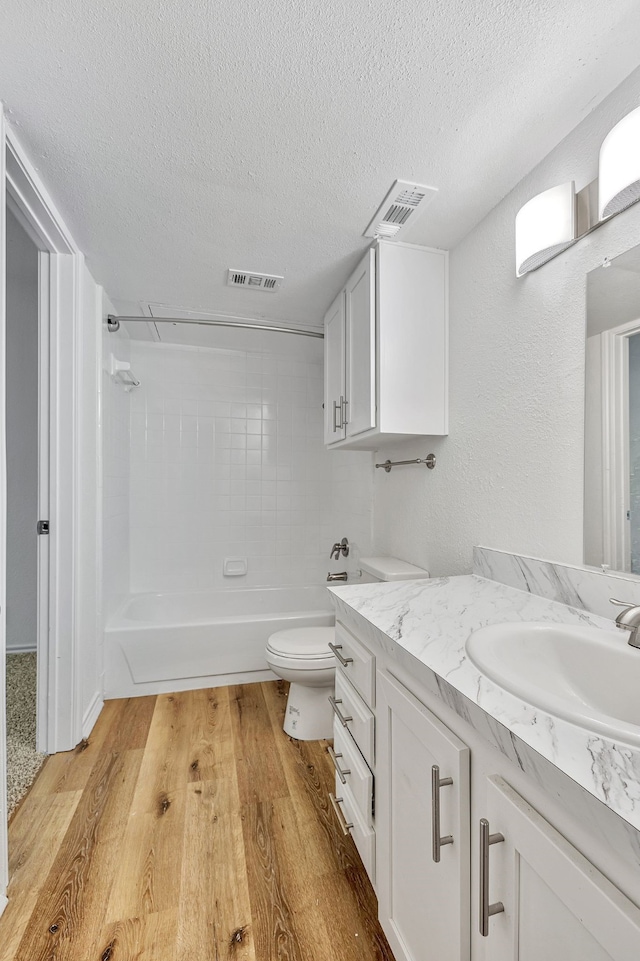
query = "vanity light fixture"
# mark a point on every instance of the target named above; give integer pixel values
(619, 167)
(545, 226)
(554, 220)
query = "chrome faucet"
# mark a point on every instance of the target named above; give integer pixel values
(340, 547)
(629, 620)
(342, 576)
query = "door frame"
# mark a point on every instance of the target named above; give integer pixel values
(616, 494)
(61, 267)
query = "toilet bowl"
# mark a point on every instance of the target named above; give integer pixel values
(302, 656)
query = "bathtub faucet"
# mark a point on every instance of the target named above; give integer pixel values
(340, 547)
(342, 576)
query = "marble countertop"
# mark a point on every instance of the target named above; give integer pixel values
(431, 620)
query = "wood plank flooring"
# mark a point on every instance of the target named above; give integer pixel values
(188, 828)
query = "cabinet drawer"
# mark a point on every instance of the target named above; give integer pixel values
(355, 717)
(350, 765)
(362, 834)
(360, 665)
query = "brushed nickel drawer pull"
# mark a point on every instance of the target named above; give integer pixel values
(341, 772)
(344, 824)
(487, 910)
(338, 407)
(338, 713)
(436, 841)
(336, 648)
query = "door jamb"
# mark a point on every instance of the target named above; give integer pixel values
(615, 444)
(61, 271)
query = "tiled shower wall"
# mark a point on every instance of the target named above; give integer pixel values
(114, 413)
(227, 460)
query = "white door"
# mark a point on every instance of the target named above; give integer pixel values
(334, 371)
(422, 828)
(4, 866)
(44, 466)
(556, 905)
(361, 347)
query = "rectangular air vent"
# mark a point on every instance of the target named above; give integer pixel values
(253, 280)
(400, 207)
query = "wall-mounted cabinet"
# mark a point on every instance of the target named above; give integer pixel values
(386, 345)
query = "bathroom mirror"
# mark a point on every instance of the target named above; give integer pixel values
(612, 415)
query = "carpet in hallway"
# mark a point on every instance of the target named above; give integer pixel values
(23, 761)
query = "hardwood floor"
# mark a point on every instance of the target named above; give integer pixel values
(189, 826)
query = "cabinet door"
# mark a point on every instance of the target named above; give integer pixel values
(361, 347)
(557, 905)
(423, 902)
(334, 371)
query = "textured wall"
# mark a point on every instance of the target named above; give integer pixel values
(22, 437)
(227, 460)
(510, 475)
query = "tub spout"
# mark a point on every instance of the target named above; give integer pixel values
(342, 576)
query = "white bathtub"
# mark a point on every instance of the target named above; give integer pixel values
(173, 642)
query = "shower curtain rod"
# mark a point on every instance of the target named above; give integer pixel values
(113, 324)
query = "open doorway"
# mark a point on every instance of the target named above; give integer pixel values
(23, 413)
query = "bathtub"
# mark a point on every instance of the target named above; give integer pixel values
(173, 642)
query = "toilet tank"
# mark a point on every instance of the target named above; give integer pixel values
(391, 569)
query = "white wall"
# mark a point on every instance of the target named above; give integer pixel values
(22, 437)
(510, 475)
(115, 474)
(227, 459)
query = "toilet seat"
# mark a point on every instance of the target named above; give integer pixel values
(303, 643)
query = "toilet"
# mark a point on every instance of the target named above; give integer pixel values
(303, 657)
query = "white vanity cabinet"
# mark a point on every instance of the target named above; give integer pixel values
(386, 349)
(553, 904)
(354, 746)
(422, 819)
(466, 868)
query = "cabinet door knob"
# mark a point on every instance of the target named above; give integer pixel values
(487, 910)
(436, 840)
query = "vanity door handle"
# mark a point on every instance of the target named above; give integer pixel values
(336, 648)
(487, 910)
(341, 772)
(338, 407)
(338, 713)
(344, 824)
(436, 840)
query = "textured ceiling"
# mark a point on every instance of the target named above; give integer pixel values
(183, 138)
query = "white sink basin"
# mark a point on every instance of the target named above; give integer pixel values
(583, 674)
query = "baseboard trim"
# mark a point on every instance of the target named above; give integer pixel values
(92, 714)
(22, 649)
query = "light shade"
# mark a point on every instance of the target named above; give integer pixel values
(619, 173)
(545, 226)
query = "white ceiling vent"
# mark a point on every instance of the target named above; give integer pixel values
(400, 207)
(252, 280)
